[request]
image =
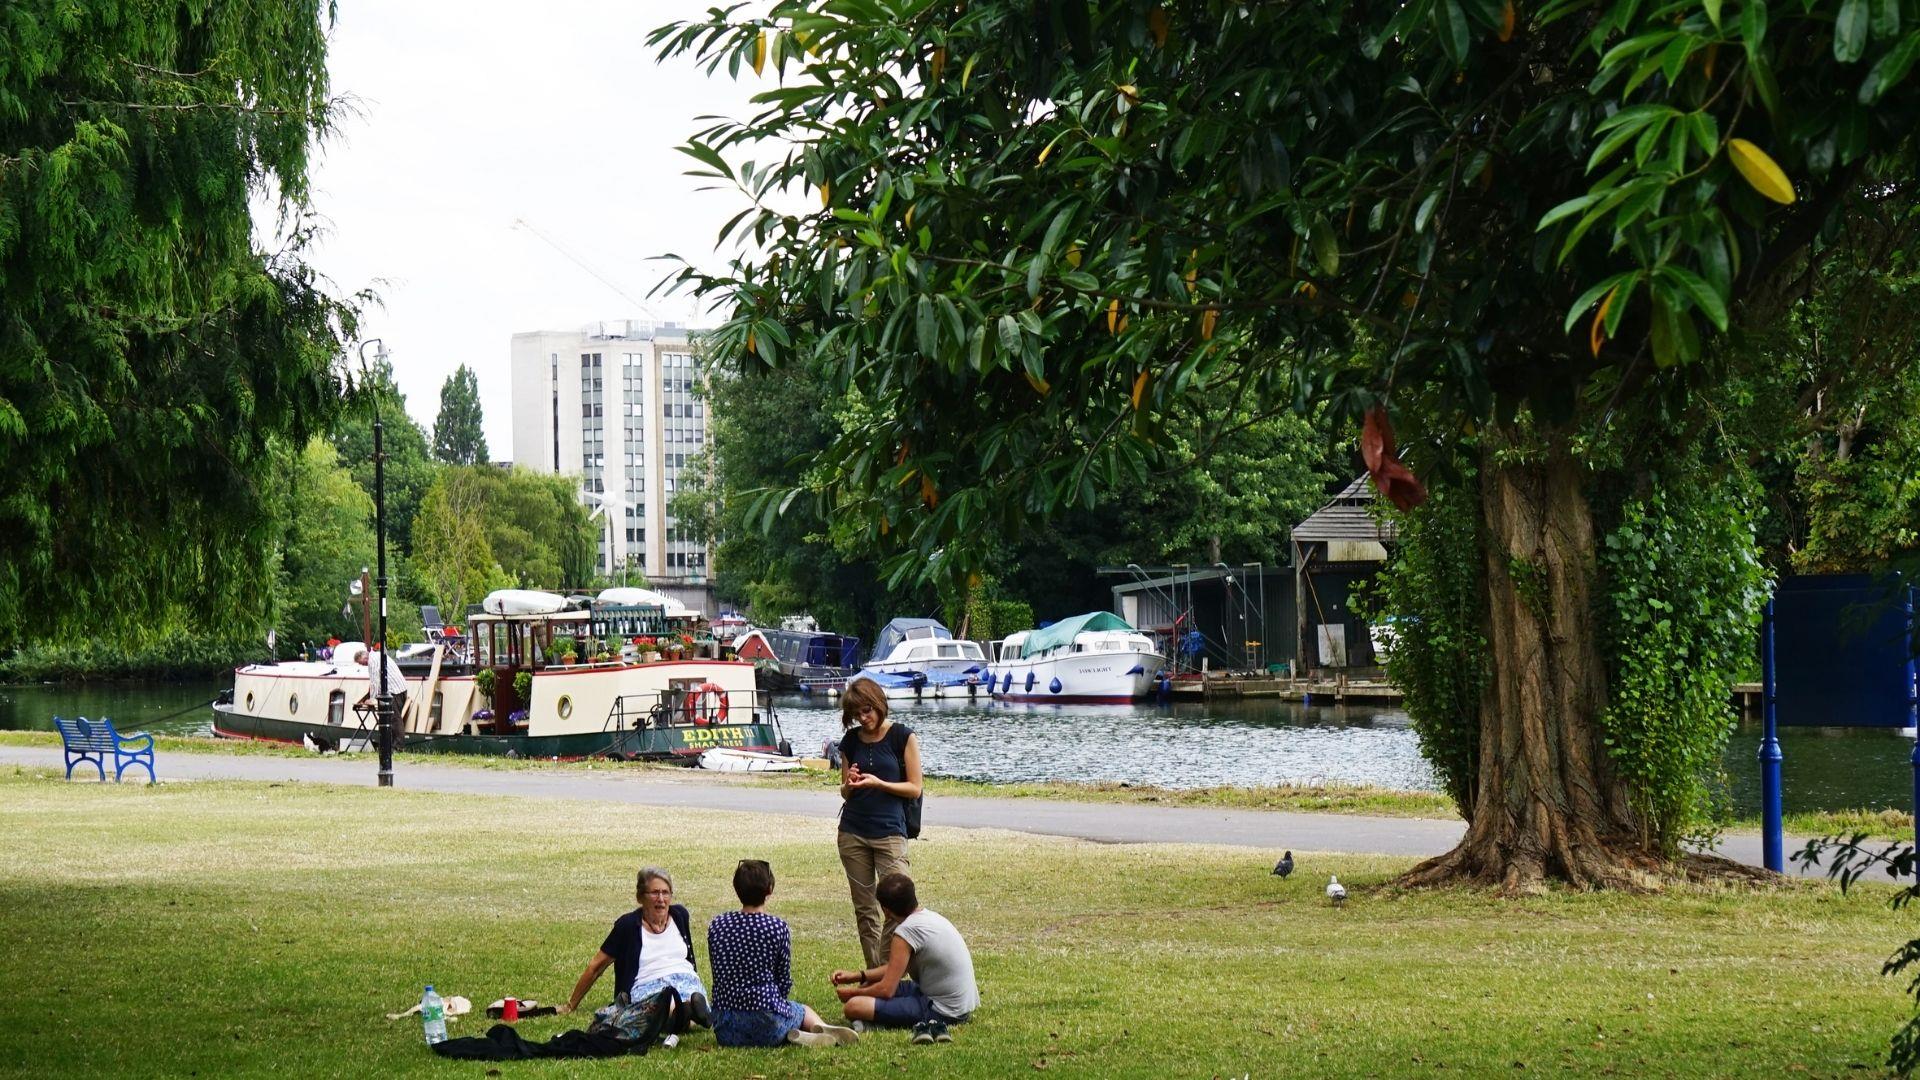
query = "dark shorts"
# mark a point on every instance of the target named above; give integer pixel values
(907, 1007)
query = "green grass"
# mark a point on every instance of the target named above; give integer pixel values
(247, 929)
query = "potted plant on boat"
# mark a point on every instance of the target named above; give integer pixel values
(523, 690)
(483, 682)
(567, 649)
(649, 649)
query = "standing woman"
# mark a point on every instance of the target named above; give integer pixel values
(879, 776)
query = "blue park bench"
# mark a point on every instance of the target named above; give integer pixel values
(92, 740)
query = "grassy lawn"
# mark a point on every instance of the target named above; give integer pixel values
(228, 928)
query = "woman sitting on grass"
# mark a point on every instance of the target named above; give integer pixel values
(650, 949)
(752, 956)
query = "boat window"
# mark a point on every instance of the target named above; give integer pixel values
(337, 708)
(483, 647)
(293, 704)
(949, 650)
(249, 701)
(566, 706)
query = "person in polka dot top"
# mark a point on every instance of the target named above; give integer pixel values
(752, 957)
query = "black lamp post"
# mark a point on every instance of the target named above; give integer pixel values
(383, 696)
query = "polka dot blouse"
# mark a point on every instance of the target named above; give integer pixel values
(752, 959)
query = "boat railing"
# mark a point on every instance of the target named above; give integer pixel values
(676, 707)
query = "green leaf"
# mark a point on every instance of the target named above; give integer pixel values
(1456, 33)
(1703, 295)
(1886, 18)
(1713, 12)
(1569, 208)
(707, 155)
(1326, 250)
(1592, 296)
(1422, 215)
(1753, 26)
(1890, 69)
(1850, 31)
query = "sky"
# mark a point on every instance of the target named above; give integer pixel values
(473, 116)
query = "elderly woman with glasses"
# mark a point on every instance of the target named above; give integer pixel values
(650, 949)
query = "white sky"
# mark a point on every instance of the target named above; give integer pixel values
(476, 114)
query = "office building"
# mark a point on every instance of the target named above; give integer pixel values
(614, 405)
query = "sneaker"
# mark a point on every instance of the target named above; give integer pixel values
(697, 1009)
(842, 1036)
(939, 1030)
(810, 1038)
(922, 1033)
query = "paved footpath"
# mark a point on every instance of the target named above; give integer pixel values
(1272, 831)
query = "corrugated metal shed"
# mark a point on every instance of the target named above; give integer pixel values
(1346, 517)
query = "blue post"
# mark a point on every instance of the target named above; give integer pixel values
(1913, 708)
(1772, 831)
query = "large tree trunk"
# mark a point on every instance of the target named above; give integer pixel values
(1547, 804)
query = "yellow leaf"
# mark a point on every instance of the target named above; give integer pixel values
(939, 62)
(750, 343)
(966, 73)
(1130, 92)
(884, 529)
(909, 217)
(1760, 171)
(1113, 316)
(1157, 25)
(760, 53)
(1192, 277)
(927, 493)
(805, 38)
(1040, 385)
(1207, 322)
(826, 193)
(1506, 21)
(1597, 335)
(1312, 291)
(1409, 299)
(1047, 149)
(1139, 387)
(1711, 58)
(973, 581)
(1073, 255)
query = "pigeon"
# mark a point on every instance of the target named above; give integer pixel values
(1285, 865)
(1336, 892)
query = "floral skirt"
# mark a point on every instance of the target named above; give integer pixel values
(737, 1027)
(685, 982)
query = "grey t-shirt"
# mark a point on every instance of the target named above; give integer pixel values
(941, 966)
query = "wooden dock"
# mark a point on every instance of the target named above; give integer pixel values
(1342, 691)
(1339, 691)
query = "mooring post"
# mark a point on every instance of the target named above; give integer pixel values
(1772, 830)
(1913, 705)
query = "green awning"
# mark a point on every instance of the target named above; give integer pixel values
(1063, 632)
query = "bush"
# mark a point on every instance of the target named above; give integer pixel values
(178, 654)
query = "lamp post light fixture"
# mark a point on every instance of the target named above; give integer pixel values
(383, 694)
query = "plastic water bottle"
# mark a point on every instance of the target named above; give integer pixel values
(433, 1017)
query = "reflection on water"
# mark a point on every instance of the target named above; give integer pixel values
(1186, 745)
(1194, 745)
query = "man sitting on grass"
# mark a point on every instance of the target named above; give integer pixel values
(925, 945)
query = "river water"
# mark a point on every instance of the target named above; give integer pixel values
(1184, 745)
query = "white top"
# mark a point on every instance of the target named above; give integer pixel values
(941, 965)
(661, 954)
(396, 682)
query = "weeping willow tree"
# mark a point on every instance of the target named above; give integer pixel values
(152, 348)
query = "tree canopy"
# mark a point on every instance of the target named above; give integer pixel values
(1515, 232)
(458, 438)
(150, 348)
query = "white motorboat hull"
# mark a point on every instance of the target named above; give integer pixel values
(1113, 677)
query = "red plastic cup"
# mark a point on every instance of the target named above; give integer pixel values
(510, 1010)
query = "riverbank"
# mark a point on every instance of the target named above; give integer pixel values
(1303, 798)
(253, 929)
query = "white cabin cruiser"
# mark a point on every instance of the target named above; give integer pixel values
(1097, 657)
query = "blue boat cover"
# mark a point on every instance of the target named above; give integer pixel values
(900, 630)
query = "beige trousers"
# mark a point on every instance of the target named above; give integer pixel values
(866, 862)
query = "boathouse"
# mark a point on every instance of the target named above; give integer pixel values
(1335, 549)
(1234, 618)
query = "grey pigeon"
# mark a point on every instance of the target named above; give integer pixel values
(1336, 892)
(1285, 865)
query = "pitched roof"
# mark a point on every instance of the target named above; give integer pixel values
(1346, 517)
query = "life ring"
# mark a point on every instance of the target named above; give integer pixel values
(707, 704)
